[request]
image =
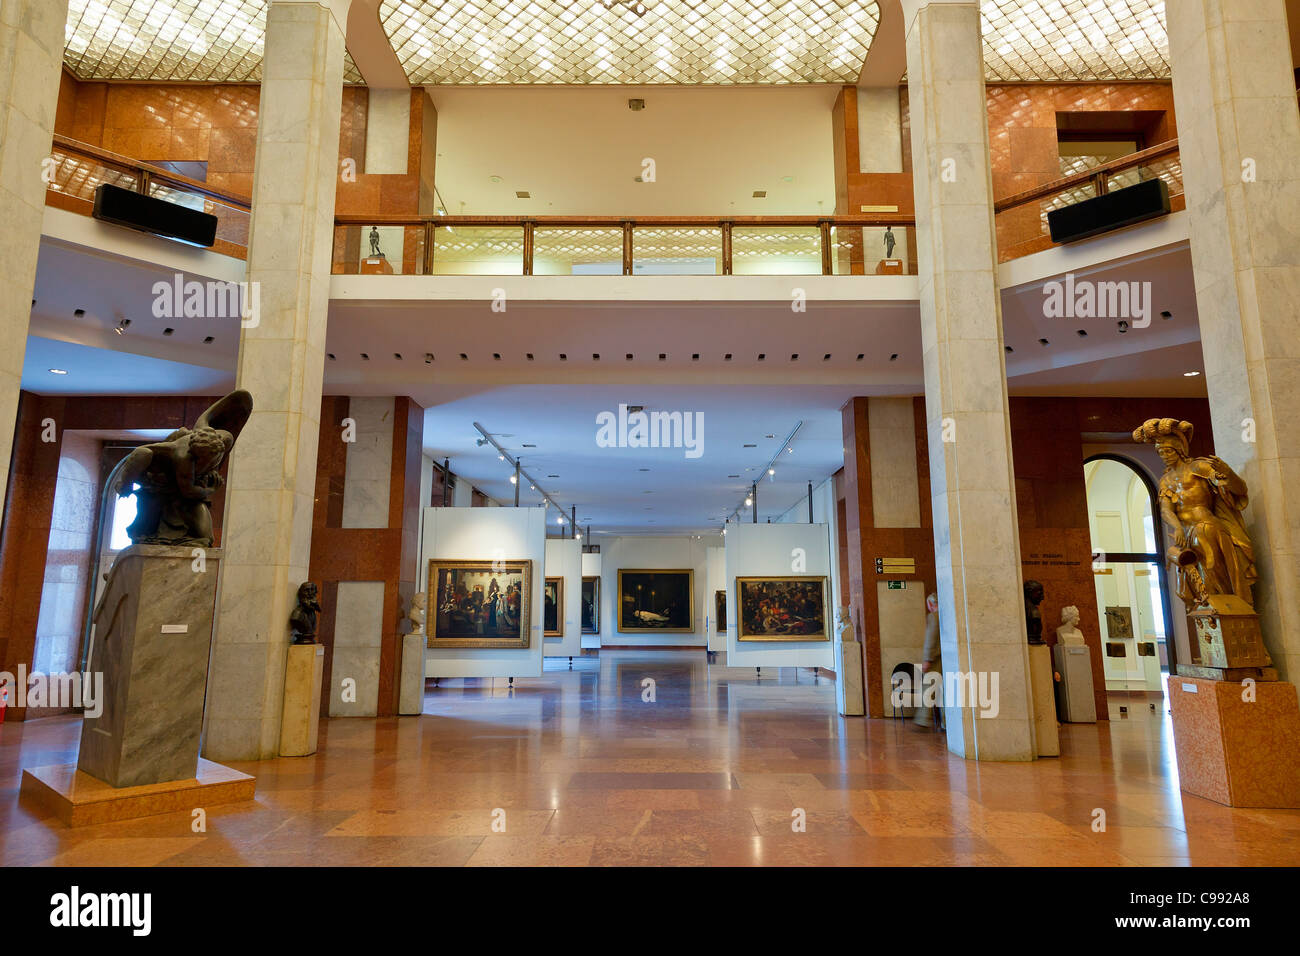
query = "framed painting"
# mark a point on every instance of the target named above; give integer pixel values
(661, 600)
(479, 603)
(591, 604)
(553, 608)
(781, 609)
(720, 610)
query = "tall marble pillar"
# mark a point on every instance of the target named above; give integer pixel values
(267, 534)
(977, 549)
(1239, 137)
(31, 58)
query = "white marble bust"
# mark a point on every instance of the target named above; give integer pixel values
(844, 624)
(416, 614)
(1068, 633)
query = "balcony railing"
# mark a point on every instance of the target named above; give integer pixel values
(1021, 218)
(77, 168)
(614, 245)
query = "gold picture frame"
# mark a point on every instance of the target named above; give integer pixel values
(642, 607)
(590, 584)
(454, 621)
(558, 584)
(816, 586)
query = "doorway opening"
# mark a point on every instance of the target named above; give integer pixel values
(1138, 632)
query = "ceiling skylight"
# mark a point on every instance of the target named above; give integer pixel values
(674, 41)
(202, 40)
(1075, 40)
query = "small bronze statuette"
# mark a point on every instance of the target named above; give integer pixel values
(302, 622)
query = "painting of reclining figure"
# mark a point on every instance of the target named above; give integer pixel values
(656, 600)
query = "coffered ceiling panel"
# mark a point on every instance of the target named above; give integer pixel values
(1075, 39)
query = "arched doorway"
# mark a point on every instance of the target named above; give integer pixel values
(1135, 622)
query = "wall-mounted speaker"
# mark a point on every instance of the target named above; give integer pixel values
(125, 207)
(1124, 207)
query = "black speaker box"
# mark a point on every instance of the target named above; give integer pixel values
(125, 207)
(1124, 207)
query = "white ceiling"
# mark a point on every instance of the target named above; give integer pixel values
(712, 148)
(688, 42)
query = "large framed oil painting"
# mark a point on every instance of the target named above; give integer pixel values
(781, 609)
(553, 608)
(591, 604)
(656, 600)
(720, 610)
(480, 603)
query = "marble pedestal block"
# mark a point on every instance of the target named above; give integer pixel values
(153, 633)
(410, 695)
(304, 669)
(848, 685)
(1044, 688)
(889, 267)
(1241, 753)
(376, 267)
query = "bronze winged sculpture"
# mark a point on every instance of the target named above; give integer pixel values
(174, 479)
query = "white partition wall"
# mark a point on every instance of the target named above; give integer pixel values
(634, 551)
(564, 560)
(468, 534)
(715, 576)
(778, 550)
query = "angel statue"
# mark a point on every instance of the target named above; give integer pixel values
(1202, 500)
(174, 479)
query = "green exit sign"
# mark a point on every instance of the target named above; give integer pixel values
(897, 586)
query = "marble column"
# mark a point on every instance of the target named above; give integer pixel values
(267, 535)
(31, 58)
(1239, 136)
(977, 551)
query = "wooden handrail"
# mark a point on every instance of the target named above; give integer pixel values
(616, 222)
(156, 174)
(1085, 177)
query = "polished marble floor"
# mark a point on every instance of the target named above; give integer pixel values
(581, 769)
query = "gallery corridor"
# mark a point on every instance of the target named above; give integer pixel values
(706, 765)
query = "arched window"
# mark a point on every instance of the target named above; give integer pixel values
(1129, 574)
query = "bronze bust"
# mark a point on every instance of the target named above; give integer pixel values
(302, 622)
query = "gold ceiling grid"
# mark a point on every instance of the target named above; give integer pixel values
(682, 42)
(676, 41)
(1074, 40)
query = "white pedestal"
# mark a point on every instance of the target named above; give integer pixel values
(1040, 679)
(304, 669)
(410, 694)
(848, 678)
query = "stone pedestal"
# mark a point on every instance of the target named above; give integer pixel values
(78, 799)
(889, 267)
(1235, 751)
(304, 669)
(410, 697)
(153, 632)
(1044, 689)
(848, 671)
(376, 266)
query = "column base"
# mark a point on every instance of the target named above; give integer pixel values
(1236, 752)
(79, 800)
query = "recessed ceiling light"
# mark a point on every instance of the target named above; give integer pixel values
(59, 371)
(787, 179)
(1190, 374)
(494, 179)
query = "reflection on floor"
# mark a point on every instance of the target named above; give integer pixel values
(704, 766)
